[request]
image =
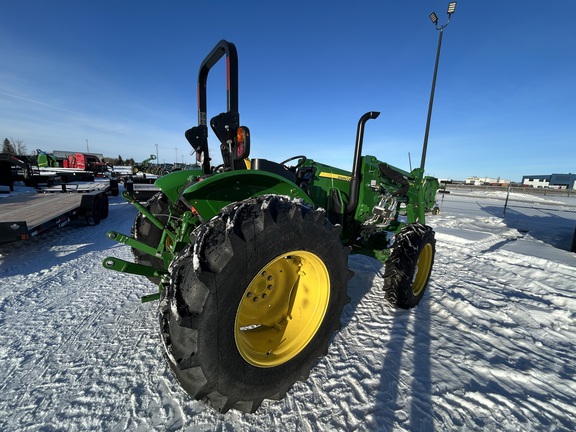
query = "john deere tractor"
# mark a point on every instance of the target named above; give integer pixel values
(144, 165)
(251, 256)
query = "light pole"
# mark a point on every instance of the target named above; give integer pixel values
(156, 153)
(434, 19)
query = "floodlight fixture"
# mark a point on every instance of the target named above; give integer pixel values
(434, 18)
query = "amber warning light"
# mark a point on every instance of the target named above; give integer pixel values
(242, 142)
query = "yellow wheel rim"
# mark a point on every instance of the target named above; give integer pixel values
(282, 309)
(423, 267)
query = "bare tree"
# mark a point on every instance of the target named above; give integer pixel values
(20, 147)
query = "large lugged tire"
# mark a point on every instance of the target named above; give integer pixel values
(407, 270)
(253, 301)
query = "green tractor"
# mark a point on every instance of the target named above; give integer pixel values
(251, 257)
(46, 160)
(143, 166)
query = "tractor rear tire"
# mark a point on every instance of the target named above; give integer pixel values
(254, 301)
(146, 232)
(409, 266)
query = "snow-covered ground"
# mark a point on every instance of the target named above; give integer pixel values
(492, 346)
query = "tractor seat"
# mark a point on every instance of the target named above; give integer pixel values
(273, 167)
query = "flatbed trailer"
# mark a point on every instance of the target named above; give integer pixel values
(25, 216)
(141, 188)
(141, 192)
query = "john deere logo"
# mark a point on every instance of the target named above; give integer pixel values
(335, 176)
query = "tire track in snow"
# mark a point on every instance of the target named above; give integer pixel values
(80, 352)
(502, 301)
(69, 353)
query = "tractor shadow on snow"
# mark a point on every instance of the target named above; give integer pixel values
(551, 226)
(405, 347)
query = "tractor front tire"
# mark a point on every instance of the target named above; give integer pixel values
(254, 301)
(408, 268)
(146, 232)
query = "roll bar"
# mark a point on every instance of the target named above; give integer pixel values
(225, 125)
(221, 48)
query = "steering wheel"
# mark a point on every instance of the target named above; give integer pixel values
(217, 169)
(298, 165)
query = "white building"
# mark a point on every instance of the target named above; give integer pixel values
(553, 181)
(478, 181)
(537, 181)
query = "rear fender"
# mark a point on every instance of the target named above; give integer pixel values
(174, 183)
(211, 194)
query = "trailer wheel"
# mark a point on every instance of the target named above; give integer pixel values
(94, 215)
(105, 206)
(146, 232)
(114, 191)
(253, 302)
(407, 270)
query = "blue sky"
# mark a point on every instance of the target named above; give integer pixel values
(122, 75)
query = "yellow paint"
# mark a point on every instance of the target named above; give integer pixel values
(335, 176)
(282, 309)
